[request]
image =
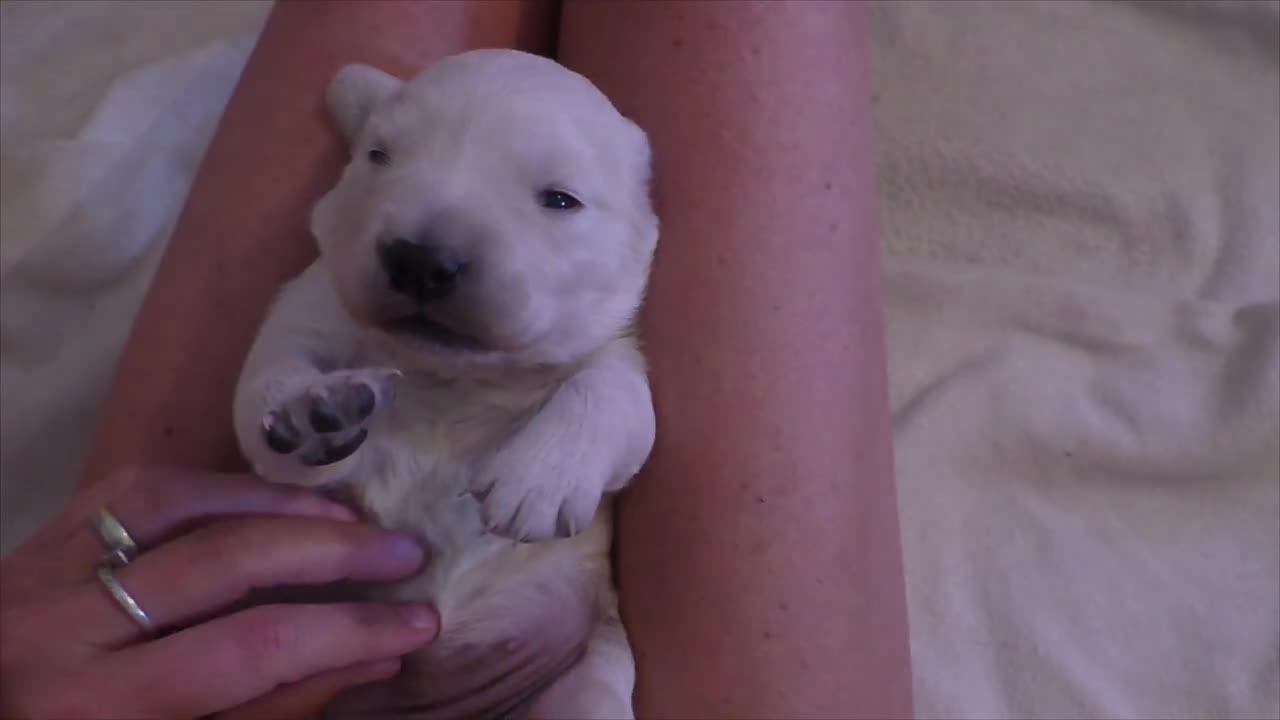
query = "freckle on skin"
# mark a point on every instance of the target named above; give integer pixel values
(833, 227)
(760, 499)
(677, 43)
(826, 185)
(169, 431)
(755, 51)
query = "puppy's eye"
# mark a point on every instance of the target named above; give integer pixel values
(378, 156)
(558, 200)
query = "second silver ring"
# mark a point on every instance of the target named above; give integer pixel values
(125, 600)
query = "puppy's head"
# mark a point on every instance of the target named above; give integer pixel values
(495, 210)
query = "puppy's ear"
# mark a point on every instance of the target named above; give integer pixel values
(354, 92)
(641, 154)
(639, 159)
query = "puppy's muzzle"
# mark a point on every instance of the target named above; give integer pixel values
(420, 270)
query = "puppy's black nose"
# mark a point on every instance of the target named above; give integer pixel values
(419, 270)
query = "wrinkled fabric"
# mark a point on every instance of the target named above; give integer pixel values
(1079, 214)
(105, 111)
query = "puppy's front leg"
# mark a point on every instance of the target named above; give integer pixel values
(299, 418)
(590, 438)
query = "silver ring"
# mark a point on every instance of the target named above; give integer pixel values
(125, 600)
(121, 548)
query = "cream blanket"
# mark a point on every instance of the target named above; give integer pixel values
(1079, 206)
(1083, 293)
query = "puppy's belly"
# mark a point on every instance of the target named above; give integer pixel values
(509, 627)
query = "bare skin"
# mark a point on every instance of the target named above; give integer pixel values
(764, 335)
(763, 324)
(68, 650)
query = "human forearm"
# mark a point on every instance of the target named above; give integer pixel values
(759, 554)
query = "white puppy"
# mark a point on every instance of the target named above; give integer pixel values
(460, 363)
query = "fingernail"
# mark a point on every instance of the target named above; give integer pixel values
(419, 617)
(402, 548)
(406, 547)
(385, 555)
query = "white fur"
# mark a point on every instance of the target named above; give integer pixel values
(486, 453)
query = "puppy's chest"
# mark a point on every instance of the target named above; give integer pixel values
(417, 465)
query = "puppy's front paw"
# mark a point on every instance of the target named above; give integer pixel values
(535, 501)
(325, 422)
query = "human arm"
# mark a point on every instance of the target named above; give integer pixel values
(760, 561)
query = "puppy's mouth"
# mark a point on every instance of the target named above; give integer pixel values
(422, 327)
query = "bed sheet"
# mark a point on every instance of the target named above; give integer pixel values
(105, 111)
(1079, 212)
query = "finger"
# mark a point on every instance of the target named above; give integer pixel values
(229, 661)
(207, 571)
(305, 698)
(156, 504)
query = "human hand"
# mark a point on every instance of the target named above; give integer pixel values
(69, 649)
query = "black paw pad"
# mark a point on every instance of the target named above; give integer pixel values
(329, 451)
(323, 419)
(363, 401)
(280, 434)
